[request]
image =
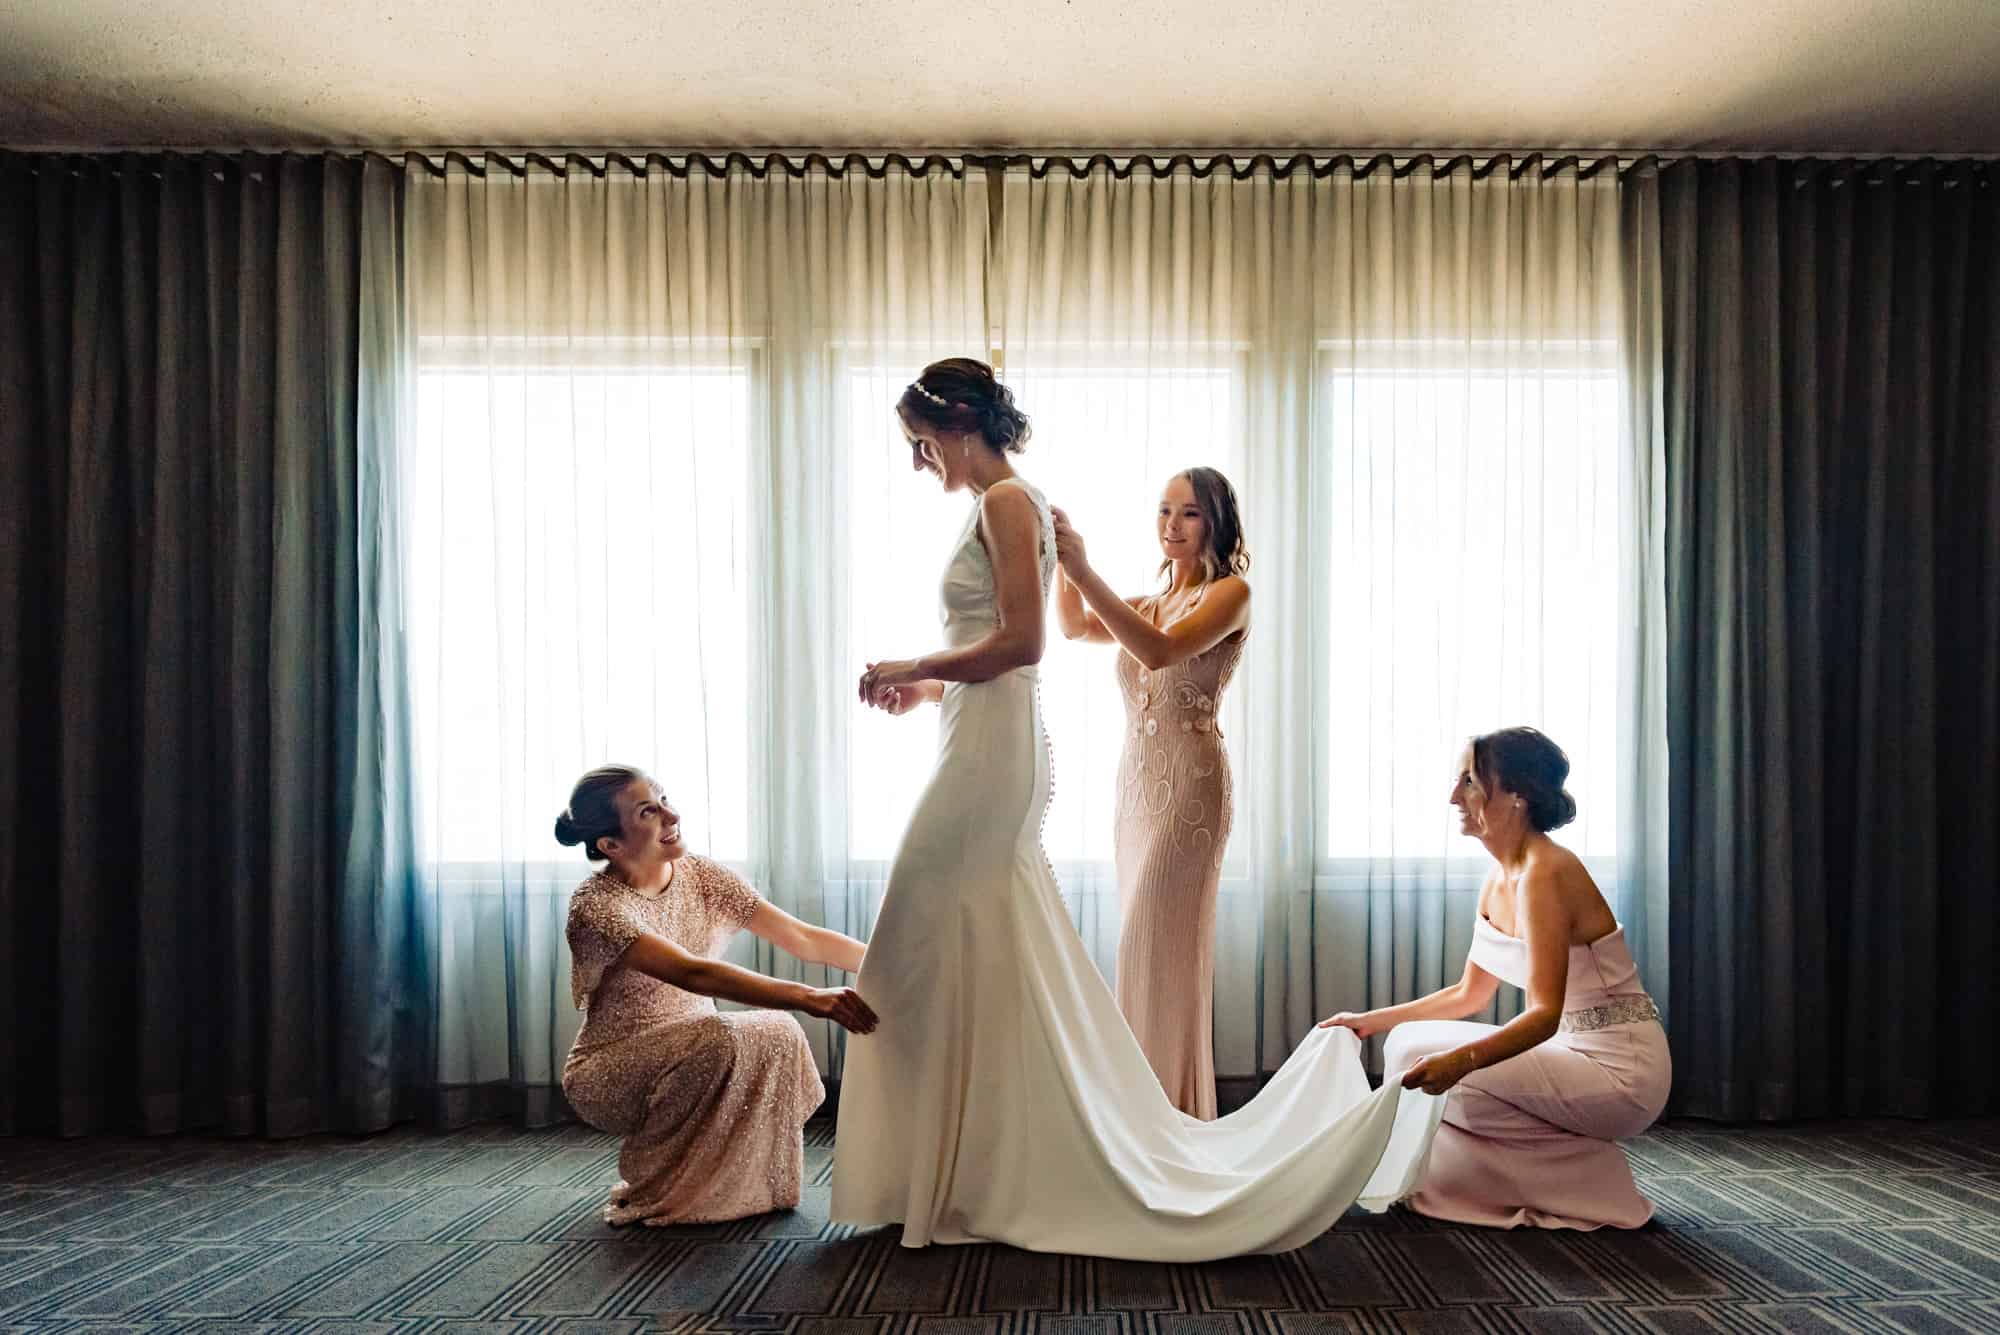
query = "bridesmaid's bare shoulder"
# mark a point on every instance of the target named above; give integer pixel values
(1234, 591)
(1558, 872)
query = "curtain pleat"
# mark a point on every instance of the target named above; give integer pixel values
(1832, 435)
(180, 370)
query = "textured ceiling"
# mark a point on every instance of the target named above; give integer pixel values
(1823, 76)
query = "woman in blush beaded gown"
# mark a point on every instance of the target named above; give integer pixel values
(1178, 649)
(1004, 1098)
(1534, 1107)
(711, 1106)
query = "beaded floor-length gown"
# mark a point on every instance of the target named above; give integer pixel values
(1175, 807)
(711, 1105)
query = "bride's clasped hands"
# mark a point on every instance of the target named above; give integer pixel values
(896, 686)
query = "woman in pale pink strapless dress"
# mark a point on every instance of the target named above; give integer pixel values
(711, 1106)
(1174, 807)
(1535, 1106)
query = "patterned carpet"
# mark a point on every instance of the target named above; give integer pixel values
(1855, 1226)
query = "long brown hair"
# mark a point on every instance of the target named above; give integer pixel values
(1224, 552)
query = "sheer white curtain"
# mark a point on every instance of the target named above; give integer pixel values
(1419, 381)
(661, 512)
(652, 471)
(1488, 550)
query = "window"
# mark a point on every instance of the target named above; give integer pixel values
(1472, 583)
(578, 594)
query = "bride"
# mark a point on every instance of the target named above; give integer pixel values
(1003, 1098)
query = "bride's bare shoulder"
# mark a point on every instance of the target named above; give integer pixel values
(1008, 506)
(1009, 493)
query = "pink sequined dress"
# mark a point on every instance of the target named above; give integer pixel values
(1532, 1140)
(1174, 814)
(712, 1105)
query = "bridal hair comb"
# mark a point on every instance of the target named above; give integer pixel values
(938, 399)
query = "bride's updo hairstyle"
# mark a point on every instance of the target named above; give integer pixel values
(1530, 766)
(592, 813)
(960, 394)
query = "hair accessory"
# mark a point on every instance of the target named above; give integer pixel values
(938, 399)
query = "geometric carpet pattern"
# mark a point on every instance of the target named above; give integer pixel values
(1890, 1226)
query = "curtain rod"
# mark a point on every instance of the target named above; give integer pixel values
(1122, 159)
(1238, 163)
(1122, 156)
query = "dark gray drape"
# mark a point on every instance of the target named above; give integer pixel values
(1832, 371)
(209, 915)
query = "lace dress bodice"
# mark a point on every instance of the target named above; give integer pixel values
(1174, 775)
(1183, 698)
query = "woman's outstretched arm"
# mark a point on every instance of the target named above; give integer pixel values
(801, 940)
(657, 957)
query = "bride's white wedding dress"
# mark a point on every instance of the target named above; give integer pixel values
(1004, 1099)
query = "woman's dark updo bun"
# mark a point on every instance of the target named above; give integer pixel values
(960, 394)
(1527, 764)
(593, 809)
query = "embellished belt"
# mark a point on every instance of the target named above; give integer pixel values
(1622, 1010)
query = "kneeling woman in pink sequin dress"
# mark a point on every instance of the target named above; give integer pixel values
(712, 1106)
(1535, 1106)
